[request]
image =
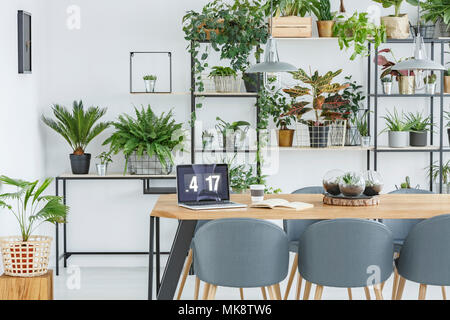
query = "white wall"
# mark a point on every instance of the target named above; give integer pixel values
(92, 64)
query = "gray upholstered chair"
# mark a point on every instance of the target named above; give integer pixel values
(425, 256)
(400, 229)
(345, 253)
(241, 253)
(294, 229)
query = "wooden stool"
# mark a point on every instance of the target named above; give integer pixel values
(23, 288)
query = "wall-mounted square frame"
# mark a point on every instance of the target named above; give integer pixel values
(24, 41)
(157, 63)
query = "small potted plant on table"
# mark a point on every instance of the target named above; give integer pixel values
(397, 128)
(374, 183)
(150, 83)
(352, 184)
(102, 167)
(27, 255)
(78, 129)
(430, 84)
(147, 141)
(419, 125)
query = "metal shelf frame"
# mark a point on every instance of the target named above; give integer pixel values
(375, 95)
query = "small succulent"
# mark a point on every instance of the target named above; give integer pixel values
(386, 79)
(150, 77)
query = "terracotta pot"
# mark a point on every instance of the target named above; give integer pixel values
(208, 31)
(19, 258)
(407, 85)
(285, 137)
(396, 27)
(447, 84)
(325, 28)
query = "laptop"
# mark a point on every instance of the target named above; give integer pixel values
(204, 187)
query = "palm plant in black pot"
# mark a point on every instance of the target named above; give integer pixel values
(78, 128)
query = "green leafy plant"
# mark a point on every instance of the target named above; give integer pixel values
(417, 122)
(387, 65)
(222, 72)
(105, 157)
(395, 122)
(362, 124)
(78, 127)
(430, 79)
(357, 30)
(324, 108)
(242, 177)
(396, 4)
(147, 134)
(30, 207)
(150, 77)
(355, 97)
(322, 10)
(386, 79)
(350, 179)
(235, 30)
(290, 7)
(435, 10)
(434, 172)
(226, 127)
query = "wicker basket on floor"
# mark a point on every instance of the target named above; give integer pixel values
(25, 259)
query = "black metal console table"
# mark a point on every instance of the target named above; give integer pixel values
(147, 189)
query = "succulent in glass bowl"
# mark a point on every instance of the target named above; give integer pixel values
(352, 184)
(331, 180)
(374, 183)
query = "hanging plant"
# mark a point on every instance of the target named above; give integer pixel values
(234, 30)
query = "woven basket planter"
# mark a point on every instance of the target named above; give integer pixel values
(25, 259)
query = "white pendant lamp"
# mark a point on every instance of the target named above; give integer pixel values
(272, 66)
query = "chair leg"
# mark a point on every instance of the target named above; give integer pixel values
(206, 291)
(395, 284)
(307, 290)
(263, 291)
(401, 286)
(378, 293)
(197, 288)
(422, 291)
(444, 295)
(185, 274)
(318, 294)
(277, 290)
(212, 292)
(367, 292)
(271, 294)
(241, 293)
(291, 276)
(299, 287)
(349, 291)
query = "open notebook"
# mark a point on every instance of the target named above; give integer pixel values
(272, 203)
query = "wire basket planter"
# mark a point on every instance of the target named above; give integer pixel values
(329, 134)
(147, 165)
(25, 258)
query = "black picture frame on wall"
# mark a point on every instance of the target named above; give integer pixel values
(24, 40)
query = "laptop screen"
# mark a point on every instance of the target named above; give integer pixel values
(202, 182)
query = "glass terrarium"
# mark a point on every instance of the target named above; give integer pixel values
(374, 183)
(352, 184)
(330, 181)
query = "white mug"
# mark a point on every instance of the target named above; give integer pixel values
(257, 192)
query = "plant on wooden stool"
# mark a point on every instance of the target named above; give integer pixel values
(28, 254)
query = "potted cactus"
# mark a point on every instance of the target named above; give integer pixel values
(430, 84)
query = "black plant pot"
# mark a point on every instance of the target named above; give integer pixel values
(418, 139)
(318, 136)
(251, 82)
(80, 163)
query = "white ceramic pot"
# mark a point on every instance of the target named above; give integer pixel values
(398, 139)
(387, 87)
(430, 88)
(365, 142)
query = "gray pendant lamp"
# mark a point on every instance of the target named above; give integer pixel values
(420, 61)
(272, 63)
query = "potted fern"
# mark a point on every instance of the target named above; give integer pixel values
(27, 255)
(78, 128)
(147, 141)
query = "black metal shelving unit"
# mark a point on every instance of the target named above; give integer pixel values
(433, 148)
(205, 95)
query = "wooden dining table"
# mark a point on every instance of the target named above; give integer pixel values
(391, 206)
